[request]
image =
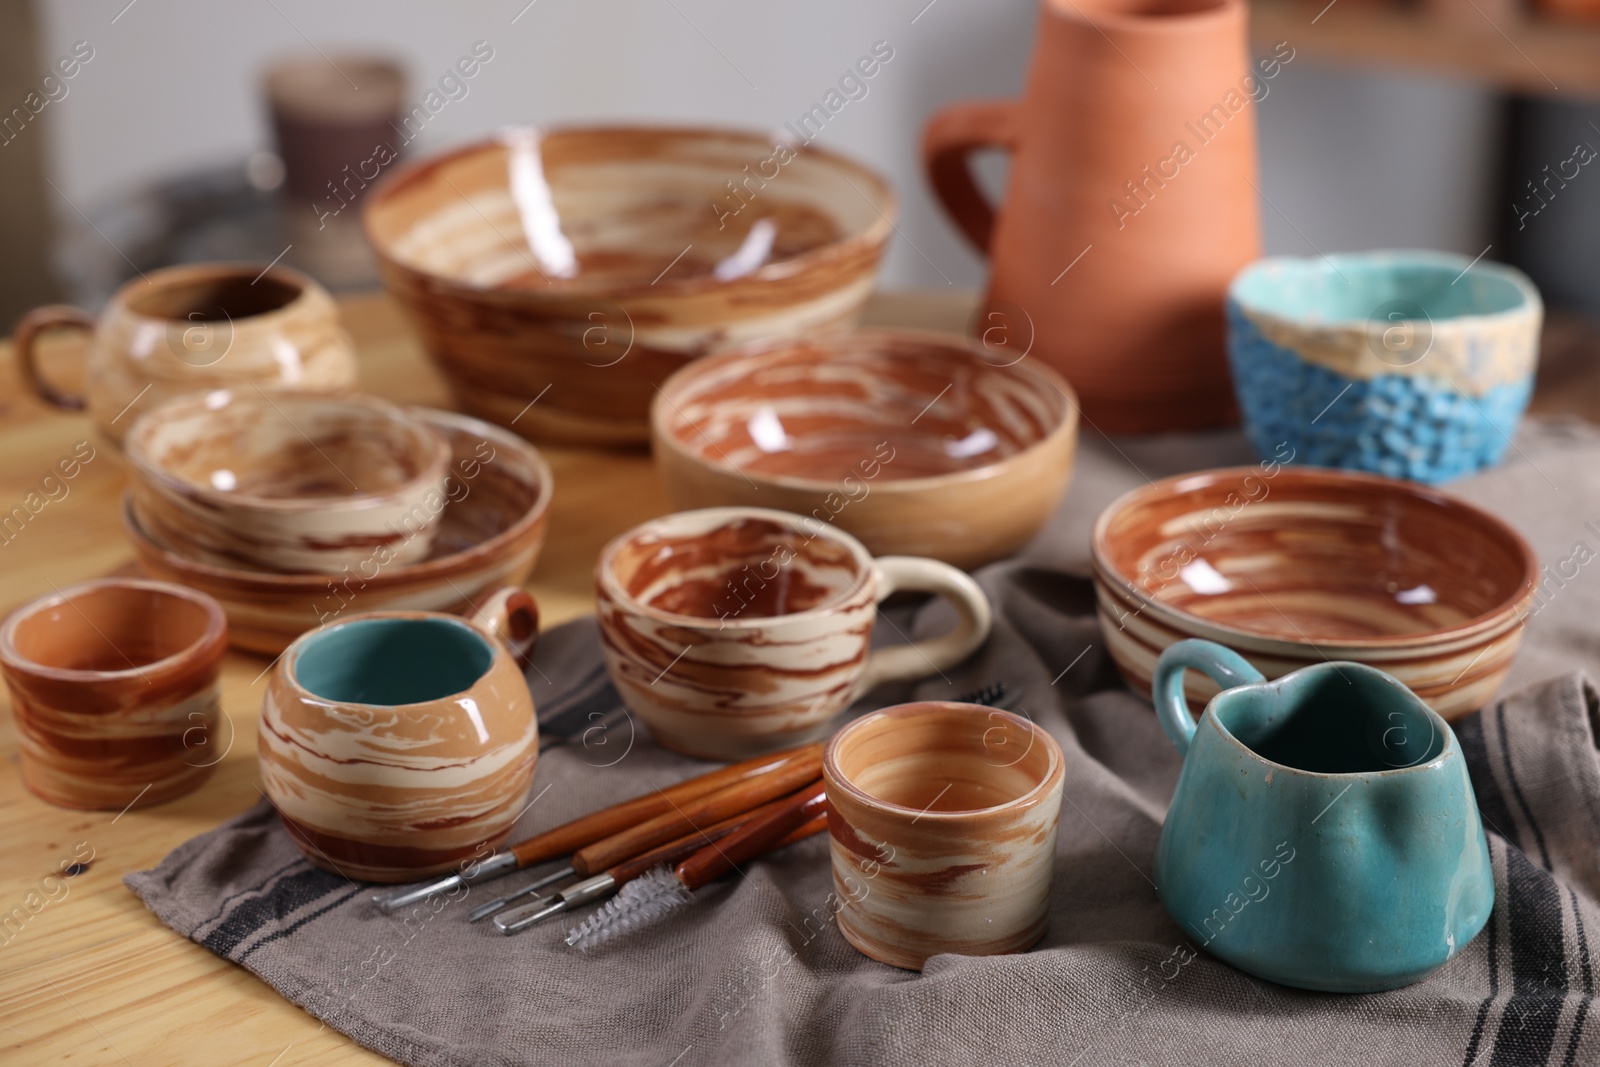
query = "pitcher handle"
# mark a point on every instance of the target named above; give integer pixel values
(512, 615)
(931, 655)
(951, 136)
(25, 342)
(1223, 665)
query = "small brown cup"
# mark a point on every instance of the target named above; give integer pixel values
(943, 825)
(114, 685)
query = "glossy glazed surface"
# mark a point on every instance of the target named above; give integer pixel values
(1292, 566)
(207, 326)
(942, 819)
(592, 262)
(1409, 364)
(734, 631)
(377, 774)
(1113, 247)
(114, 688)
(912, 441)
(497, 496)
(1324, 832)
(292, 481)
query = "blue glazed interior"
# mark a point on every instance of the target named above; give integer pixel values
(1343, 719)
(1349, 288)
(393, 661)
(1403, 426)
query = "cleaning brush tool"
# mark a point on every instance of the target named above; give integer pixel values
(660, 891)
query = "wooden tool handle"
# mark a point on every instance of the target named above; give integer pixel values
(754, 839)
(603, 824)
(684, 817)
(674, 852)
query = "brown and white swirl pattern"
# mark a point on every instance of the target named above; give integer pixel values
(942, 819)
(378, 786)
(915, 442)
(734, 631)
(114, 687)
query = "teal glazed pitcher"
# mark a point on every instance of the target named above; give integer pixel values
(1324, 833)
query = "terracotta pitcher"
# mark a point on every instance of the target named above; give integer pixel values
(1131, 203)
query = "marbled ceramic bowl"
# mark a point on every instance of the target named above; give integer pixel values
(114, 688)
(1292, 566)
(497, 498)
(1411, 364)
(579, 267)
(942, 819)
(911, 441)
(294, 482)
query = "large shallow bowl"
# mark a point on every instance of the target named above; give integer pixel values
(490, 532)
(912, 441)
(579, 267)
(1293, 566)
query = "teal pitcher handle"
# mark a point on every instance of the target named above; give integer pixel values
(1223, 665)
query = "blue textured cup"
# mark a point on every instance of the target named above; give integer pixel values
(1409, 364)
(1323, 833)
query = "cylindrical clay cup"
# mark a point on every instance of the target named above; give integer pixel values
(114, 686)
(943, 825)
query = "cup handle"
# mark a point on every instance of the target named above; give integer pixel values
(512, 615)
(1223, 665)
(951, 136)
(922, 658)
(25, 340)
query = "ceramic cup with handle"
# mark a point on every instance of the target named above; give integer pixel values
(194, 327)
(1324, 833)
(114, 688)
(736, 631)
(943, 829)
(400, 744)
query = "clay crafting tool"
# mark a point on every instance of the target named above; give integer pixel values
(608, 882)
(662, 890)
(789, 769)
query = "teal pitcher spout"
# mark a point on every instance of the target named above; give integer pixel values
(1324, 833)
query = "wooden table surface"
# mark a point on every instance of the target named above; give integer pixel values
(87, 975)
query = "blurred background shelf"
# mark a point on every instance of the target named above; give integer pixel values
(1484, 41)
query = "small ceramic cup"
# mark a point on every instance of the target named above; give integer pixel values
(115, 693)
(1408, 364)
(737, 631)
(288, 481)
(397, 744)
(194, 327)
(942, 819)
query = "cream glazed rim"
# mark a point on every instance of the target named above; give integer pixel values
(291, 656)
(662, 408)
(702, 521)
(216, 628)
(410, 421)
(1510, 608)
(308, 289)
(1055, 771)
(875, 233)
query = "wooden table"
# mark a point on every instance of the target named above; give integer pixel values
(92, 975)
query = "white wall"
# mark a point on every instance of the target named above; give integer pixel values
(1351, 160)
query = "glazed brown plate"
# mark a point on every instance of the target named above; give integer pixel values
(1292, 566)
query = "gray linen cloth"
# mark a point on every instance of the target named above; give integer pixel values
(755, 972)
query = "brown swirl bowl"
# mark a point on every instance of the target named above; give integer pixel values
(490, 532)
(910, 440)
(579, 267)
(1291, 566)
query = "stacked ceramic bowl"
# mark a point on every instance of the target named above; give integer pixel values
(290, 508)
